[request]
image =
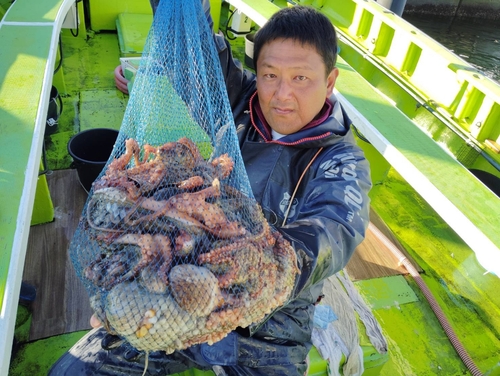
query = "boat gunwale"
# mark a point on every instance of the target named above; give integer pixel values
(19, 238)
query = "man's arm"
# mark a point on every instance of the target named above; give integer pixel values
(333, 219)
(239, 81)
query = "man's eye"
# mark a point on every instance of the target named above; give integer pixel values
(301, 78)
(269, 75)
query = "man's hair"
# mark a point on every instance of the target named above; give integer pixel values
(304, 25)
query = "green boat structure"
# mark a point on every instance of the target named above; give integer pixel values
(428, 121)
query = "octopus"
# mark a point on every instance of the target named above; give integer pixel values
(172, 163)
(198, 310)
(183, 258)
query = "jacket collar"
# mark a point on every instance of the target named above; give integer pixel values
(311, 132)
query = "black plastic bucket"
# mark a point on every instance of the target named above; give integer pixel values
(90, 151)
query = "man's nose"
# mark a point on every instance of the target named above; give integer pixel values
(283, 90)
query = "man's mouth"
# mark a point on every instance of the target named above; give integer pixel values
(282, 110)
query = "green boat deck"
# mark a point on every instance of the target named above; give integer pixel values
(443, 198)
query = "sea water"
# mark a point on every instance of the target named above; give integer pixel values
(475, 41)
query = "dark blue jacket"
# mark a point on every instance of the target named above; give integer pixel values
(327, 221)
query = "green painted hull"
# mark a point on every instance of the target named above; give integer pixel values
(470, 299)
(440, 92)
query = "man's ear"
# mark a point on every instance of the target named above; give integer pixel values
(330, 81)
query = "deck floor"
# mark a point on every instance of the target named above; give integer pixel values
(62, 303)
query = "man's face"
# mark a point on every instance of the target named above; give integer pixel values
(292, 84)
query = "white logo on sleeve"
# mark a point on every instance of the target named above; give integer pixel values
(284, 205)
(344, 166)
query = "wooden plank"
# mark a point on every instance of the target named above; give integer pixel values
(373, 259)
(62, 304)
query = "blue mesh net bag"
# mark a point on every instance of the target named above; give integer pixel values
(172, 247)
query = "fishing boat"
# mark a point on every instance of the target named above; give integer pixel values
(428, 121)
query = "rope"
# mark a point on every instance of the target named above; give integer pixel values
(298, 183)
(146, 363)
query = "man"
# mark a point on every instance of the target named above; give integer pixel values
(311, 181)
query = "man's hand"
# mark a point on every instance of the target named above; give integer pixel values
(110, 341)
(120, 81)
(94, 322)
